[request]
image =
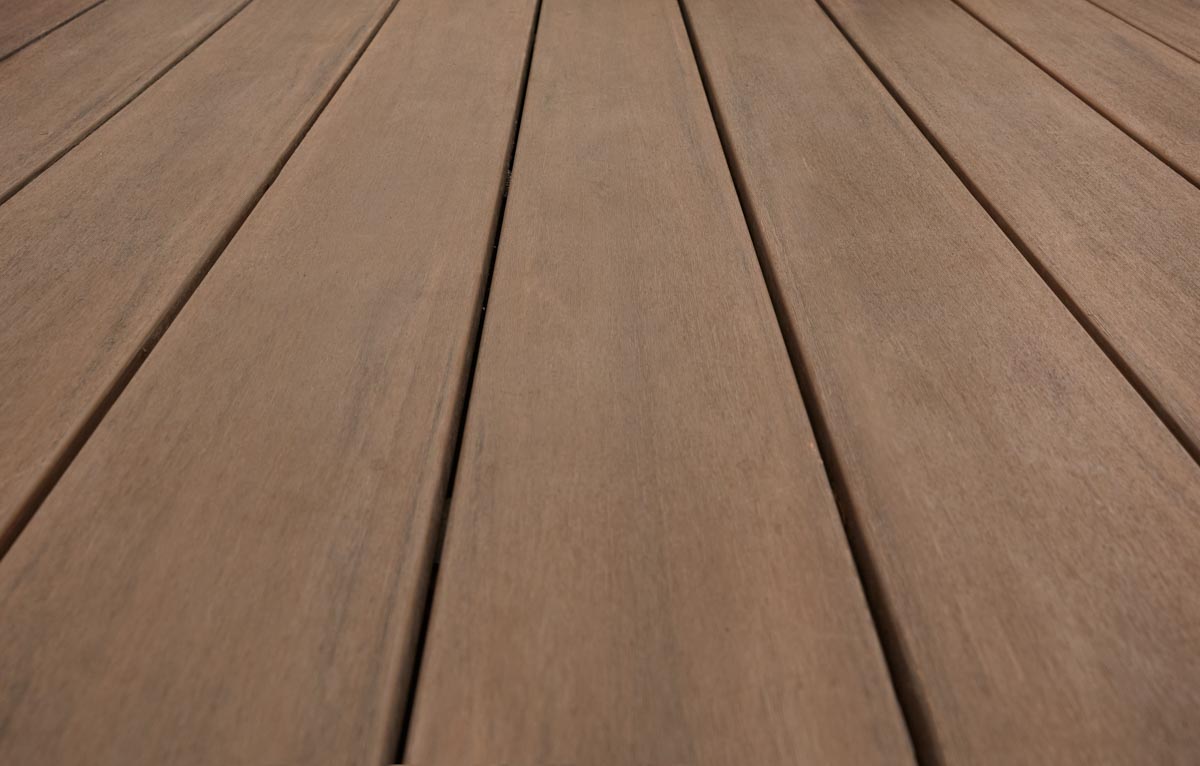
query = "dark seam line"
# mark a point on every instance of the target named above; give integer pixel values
(57, 26)
(21, 184)
(1055, 286)
(1145, 31)
(1116, 121)
(904, 684)
(405, 727)
(75, 443)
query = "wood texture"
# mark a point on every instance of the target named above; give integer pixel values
(55, 92)
(1147, 88)
(1031, 523)
(1111, 225)
(233, 567)
(643, 561)
(23, 21)
(1175, 22)
(96, 251)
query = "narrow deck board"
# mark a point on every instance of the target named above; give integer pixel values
(96, 251)
(1146, 87)
(232, 569)
(643, 562)
(1030, 521)
(23, 21)
(1175, 22)
(57, 91)
(1112, 226)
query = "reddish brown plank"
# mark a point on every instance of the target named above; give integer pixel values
(55, 92)
(233, 567)
(97, 251)
(1175, 22)
(1030, 522)
(1147, 88)
(1113, 228)
(643, 562)
(23, 21)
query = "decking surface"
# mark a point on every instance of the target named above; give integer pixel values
(639, 381)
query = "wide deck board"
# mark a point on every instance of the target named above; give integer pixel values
(1175, 22)
(1146, 87)
(643, 560)
(232, 570)
(55, 92)
(1030, 521)
(23, 21)
(1113, 228)
(97, 251)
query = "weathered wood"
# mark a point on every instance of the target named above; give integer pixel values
(54, 93)
(1142, 85)
(23, 21)
(98, 251)
(643, 561)
(231, 572)
(1030, 522)
(1175, 22)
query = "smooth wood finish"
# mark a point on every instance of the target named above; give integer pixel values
(1148, 88)
(1031, 522)
(96, 251)
(54, 93)
(1115, 228)
(643, 562)
(1175, 22)
(23, 21)
(232, 569)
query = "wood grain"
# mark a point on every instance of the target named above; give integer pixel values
(23, 21)
(643, 561)
(96, 252)
(1113, 227)
(1147, 88)
(55, 92)
(1175, 22)
(1030, 522)
(233, 567)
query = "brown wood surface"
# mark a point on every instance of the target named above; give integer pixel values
(1175, 22)
(1146, 87)
(232, 569)
(23, 21)
(643, 561)
(1031, 522)
(55, 92)
(1113, 227)
(95, 252)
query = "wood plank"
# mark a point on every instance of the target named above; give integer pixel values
(97, 251)
(643, 562)
(23, 21)
(232, 569)
(1112, 227)
(56, 92)
(1175, 22)
(1147, 88)
(1030, 522)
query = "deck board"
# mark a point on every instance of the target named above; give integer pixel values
(1112, 227)
(643, 561)
(1147, 88)
(96, 253)
(233, 568)
(24, 21)
(992, 455)
(57, 91)
(1175, 22)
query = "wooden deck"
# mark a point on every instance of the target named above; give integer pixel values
(563, 381)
